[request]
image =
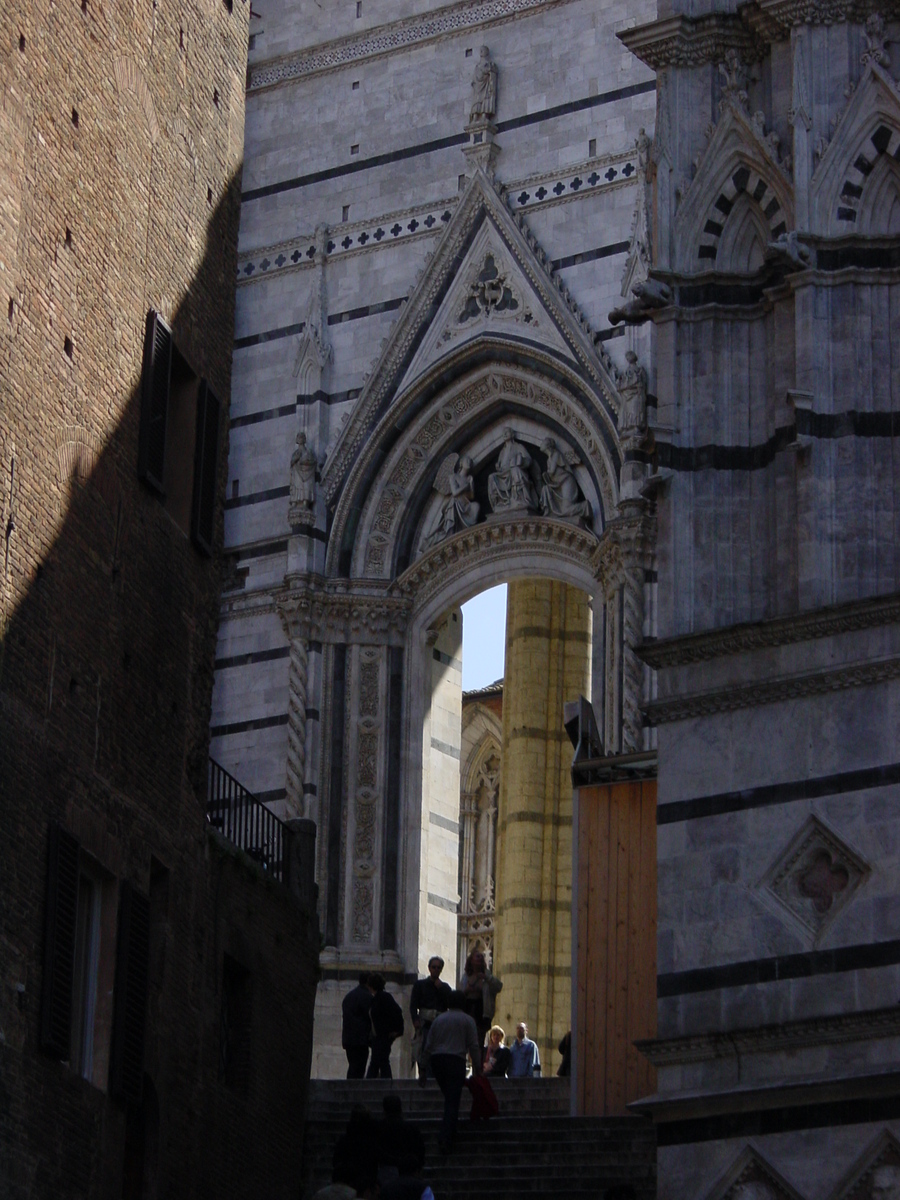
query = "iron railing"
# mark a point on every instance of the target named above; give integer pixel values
(245, 821)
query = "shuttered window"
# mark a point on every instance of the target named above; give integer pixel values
(126, 1073)
(59, 943)
(206, 462)
(155, 402)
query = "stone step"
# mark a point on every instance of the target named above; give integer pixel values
(532, 1148)
(327, 1097)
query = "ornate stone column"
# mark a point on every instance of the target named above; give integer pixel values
(296, 626)
(626, 554)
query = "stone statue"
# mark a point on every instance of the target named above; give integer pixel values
(460, 510)
(303, 483)
(510, 488)
(484, 88)
(643, 145)
(633, 390)
(560, 495)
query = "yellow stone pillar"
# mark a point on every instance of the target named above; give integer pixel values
(548, 654)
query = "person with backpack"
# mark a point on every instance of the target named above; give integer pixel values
(387, 1025)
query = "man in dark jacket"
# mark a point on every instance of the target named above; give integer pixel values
(356, 1027)
(427, 1000)
(387, 1025)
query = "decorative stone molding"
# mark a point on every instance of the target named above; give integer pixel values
(332, 611)
(455, 18)
(496, 541)
(545, 190)
(782, 631)
(774, 1039)
(367, 788)
(773, 691)
(773, 20)
(690, 42)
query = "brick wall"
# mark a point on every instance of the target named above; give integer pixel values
(121, 129)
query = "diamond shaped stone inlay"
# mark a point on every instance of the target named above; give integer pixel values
(815, 876)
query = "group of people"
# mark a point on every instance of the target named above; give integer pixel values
(449, 1027)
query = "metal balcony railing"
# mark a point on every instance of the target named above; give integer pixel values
(245, 821)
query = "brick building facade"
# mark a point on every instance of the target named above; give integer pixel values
(154, 1036)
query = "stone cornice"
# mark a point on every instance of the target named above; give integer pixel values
(691, 42)
(685, 42)
(774, 19)
(316, 609)
(766, 1039)
(782, 631)
(386, 39)
(772, 691)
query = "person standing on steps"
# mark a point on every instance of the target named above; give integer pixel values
(427, 1000)
(496, 1057)
(451, 1038)
(356, 1027)
(480, 989)
(387, 1026)
(526, 1062)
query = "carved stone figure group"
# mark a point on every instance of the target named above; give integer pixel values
(514, 486)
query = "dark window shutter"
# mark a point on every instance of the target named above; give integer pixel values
(155, 402)
(206, 462)
(126, 1070)
(59, 943)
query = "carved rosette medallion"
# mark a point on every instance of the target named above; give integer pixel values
(814, 877)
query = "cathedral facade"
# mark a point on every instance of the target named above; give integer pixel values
(603, 297)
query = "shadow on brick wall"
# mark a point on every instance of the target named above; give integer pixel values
(106, 667)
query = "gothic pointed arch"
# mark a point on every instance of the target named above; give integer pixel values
(739, 171)
(867, 133)
(487, 289)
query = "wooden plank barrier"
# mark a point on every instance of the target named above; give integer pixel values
(614, 930)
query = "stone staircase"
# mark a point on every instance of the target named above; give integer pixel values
(532, 1148)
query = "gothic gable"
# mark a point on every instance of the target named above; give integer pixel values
(487, 280)
(751, 1177)
(740, 190)
(867, 134)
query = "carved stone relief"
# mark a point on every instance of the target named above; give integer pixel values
(814, 877)
(412, 462)
(366, 792)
